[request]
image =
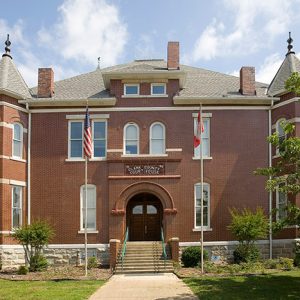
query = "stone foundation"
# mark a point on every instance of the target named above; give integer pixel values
(13, 257)
(223, 251)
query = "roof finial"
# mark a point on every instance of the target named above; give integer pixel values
(99, 62)
(290, 46)
(7, 49)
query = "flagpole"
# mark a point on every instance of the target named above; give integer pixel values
(85, 225)
(201, 171)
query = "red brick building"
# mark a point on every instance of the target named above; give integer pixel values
(144, 173)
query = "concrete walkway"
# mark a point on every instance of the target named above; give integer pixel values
(144, 287)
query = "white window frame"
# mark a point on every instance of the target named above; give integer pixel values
(69, 139)
(81, 206)
(125, 139)
(277, 202)
(93, 126)
(19, 141)
(131, 84)
(163, 139)
(198, 184)
(278, 126)
(19, 208)
(207, 138)
(158, 84)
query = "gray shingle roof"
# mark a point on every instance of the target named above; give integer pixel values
(290, 64)
(11, 80)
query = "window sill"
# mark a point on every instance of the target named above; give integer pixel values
(97, 159)
(204, 229)
(88, 231)
(145, 96)
(17, 159)
(144, 155)
(204, 158)
(74, 159)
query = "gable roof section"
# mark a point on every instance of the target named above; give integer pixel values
(11, 81)
(290, 64)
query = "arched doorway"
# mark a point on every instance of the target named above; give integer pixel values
(144, 214)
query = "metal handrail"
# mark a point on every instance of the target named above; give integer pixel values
(163, 245)
(124, 247)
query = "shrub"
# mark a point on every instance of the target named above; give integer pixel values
(297, 254)
(33, 238)
(270, 263)
(245, 253)
(191, 256)
(23, 270)
(38, 263)
(285, 263)
(92, 262)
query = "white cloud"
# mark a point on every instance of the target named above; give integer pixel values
(86, 30)
(144, 48)
(254, 25)
(15, 31)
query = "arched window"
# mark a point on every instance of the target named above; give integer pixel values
(157, 138)
(206, 205)
(280, 131)
(91, 207)
(131, 139)
(17, 146)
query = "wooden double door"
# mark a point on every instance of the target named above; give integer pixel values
(144, 218)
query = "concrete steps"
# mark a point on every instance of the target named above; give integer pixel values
(144, 257)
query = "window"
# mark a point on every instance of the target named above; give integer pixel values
(75, 139)
(91, 207)
(17, 140)
(16, 206)
(281, 203)
(205, 139)
(131, 139)
(157, 138)
(158, 89)
(131, 89)
(99, 138)
(206, 205)
(281, 133)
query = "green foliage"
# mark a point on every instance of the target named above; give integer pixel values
(191, 256)
(33, 238)
(248, 226)
(23, 270)
(293, 83)
(92, 262)
(270, 263)
(285, 263)
(245, 253)
(297, 254)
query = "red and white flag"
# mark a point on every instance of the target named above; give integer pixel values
(200, 128)
(87, 139)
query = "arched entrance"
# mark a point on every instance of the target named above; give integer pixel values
(144, 214)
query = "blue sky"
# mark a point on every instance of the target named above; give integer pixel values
(220, 35)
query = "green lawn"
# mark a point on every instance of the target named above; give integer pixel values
(43, 290)
(285, 285)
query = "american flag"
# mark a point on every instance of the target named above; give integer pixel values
(200, 129)
(87, 140)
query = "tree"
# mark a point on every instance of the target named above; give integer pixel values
(33, 238)
(284, 175)
(247, 227)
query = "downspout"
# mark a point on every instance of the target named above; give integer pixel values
(270, 193)
(28, 166)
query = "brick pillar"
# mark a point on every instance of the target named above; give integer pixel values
(45, 83)
(174, 244)
(114, 245)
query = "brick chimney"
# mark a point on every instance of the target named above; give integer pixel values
(45, 83)
(173, 56)
(247, 81)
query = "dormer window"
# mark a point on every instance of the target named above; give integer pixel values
(158, 89)
(131, 89)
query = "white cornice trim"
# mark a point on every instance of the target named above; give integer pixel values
(283, 103)
(7, 125)
(150, 109)
(13, 106)
(92, 116)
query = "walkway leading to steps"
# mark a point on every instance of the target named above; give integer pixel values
(144, 287)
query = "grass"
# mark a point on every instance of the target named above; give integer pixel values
(284, 285)
(43, 290)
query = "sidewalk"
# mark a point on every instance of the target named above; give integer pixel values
(144, 287)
